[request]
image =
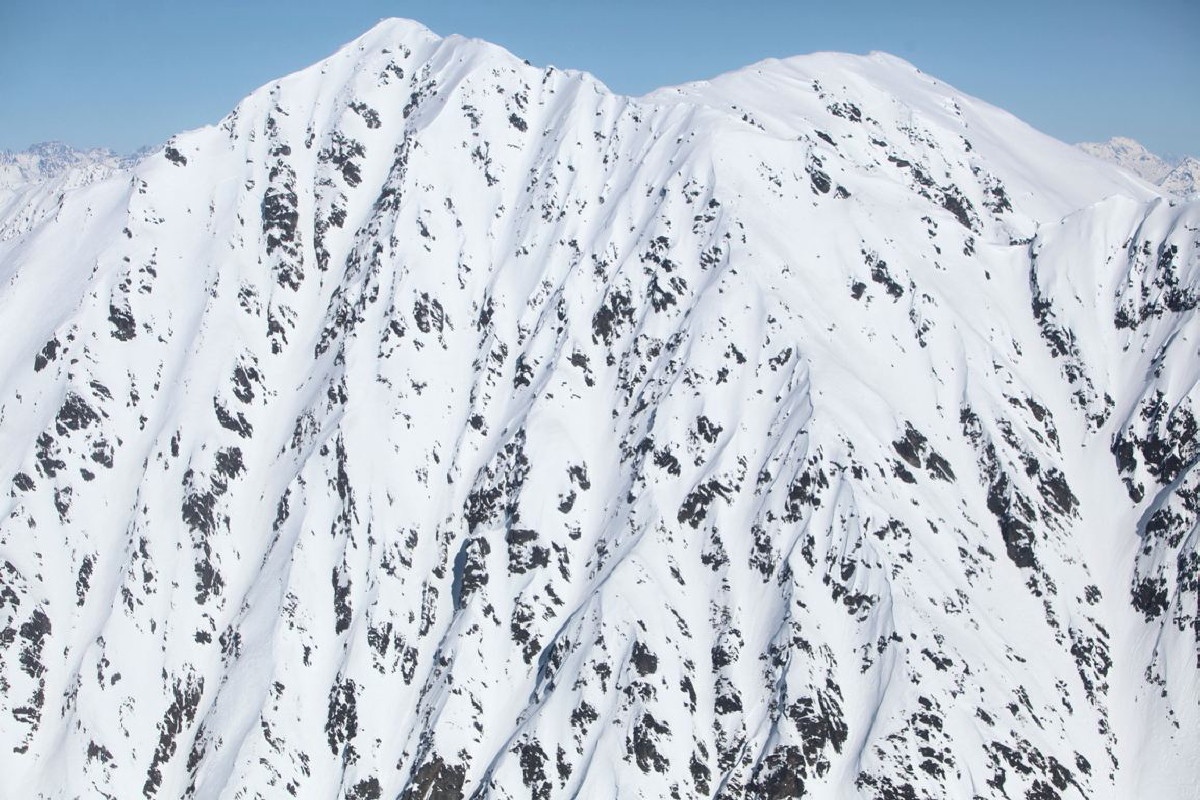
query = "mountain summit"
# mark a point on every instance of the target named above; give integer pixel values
(441, 426)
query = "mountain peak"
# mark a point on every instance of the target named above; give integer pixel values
(855, 102)
(390, 31)
(1131, 155)
(1184, 179)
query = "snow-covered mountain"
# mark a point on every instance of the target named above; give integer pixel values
(1180, 178)
(441, 426)
(1184, 179)
(1130, 154)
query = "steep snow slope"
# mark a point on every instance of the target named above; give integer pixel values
(441, 426)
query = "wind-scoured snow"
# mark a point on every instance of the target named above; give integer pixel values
(441, 426)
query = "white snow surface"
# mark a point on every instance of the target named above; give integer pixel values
(442, 426)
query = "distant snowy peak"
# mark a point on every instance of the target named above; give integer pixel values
(1130, 155)
(1181, 177)
(1184, 180)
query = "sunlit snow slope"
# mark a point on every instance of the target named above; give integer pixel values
(440, 426)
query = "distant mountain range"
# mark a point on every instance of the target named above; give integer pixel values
(1180, 177)
(33, 182)
(54, 160)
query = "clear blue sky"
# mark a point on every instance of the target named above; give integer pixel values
(127, 73)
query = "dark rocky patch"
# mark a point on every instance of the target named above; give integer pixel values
(707, 429)
(198, 508)
(102, 453)
(34, 632)
(1149, 596)
(49, 352)
(229, 462)
(846, 110)
(341, 721)
(75, 414)
(880, 274)
(819, 179)
(613, 314)
(245, 378)
(642, 744)
(186, 693)
(779, 776)
(533, 769)
(523, 552)
(235, 421)
(124, 328)
(644, 661)
(429, 314)
(342, 612)
(470, 570)
(370, 115)
(83, 579)
(46, 453)
(957, 204)
(435, 780)
(695, 506)
(805, 491)
(368, 789)
(497, 489)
